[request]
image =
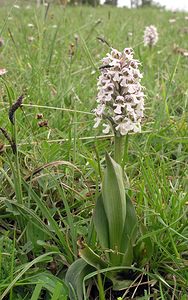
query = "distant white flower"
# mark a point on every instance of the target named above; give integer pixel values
(129, 35)
(186, 18)
(3, 71)
(31, 38)
(30, 25)
(1, 42)
(120, 95)
(76, 37)
(16, 6)
(171, 21)
(150, 36)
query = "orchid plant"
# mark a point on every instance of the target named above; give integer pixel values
(120, 108)
(150, 36)
(120, 97)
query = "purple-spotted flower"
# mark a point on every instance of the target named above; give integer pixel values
(120, 95)
(150, 36)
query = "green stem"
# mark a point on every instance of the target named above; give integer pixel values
(17, 179)
(125, 154)
(118, 148)
(100, 287)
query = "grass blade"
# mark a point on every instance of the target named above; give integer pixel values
(37, 291)
(46, 213)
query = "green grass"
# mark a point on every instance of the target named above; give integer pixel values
(48, 190)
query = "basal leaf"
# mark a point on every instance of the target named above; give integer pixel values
(130, 233)
(75, 276)
(91, 257)
(101, 223)
(113, 193)
(143, 249)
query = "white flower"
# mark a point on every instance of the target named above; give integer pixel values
(99, 110)
(3, 71)
(31, 38)
(30, 25)
(97, 122)
(120, 95)
(127, 125)
(171, 21)
(107, 128)
(1, 42)
(119, 108)
(150, 36)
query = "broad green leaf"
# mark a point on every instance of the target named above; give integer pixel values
(143, 250)
(113, 193)
(58, 293)
(91, 257)
(37, 291)
(75, 276)
(101, 223)
(129, 234)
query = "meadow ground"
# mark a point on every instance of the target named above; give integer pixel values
(49, 187)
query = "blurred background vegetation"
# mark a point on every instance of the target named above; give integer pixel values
(133, 3)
